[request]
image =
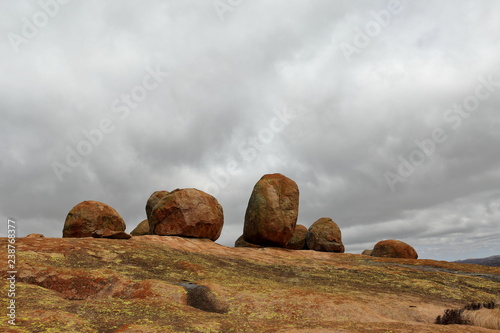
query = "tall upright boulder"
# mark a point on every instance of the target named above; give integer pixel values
(89, 217)
(392, 248)
(189, 213)
(325, 235)
(272, 211)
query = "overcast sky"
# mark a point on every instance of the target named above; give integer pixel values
(385, 113)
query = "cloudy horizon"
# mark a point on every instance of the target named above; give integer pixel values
(385, 113)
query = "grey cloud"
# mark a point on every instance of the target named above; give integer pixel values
(225, 81)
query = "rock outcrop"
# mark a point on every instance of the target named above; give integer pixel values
(89, 216)
(177, 284)
(325, 235)
(272, 211)
(141, 229)
(392, 248)
(298, 240)
(189, 213)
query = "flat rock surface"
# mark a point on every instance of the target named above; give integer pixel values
(137, 285)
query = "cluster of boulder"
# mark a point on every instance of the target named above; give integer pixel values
(270, 220)
(182, 212)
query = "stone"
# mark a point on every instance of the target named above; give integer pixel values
(111, 234)
(201, 297)
(392, 248)
(272, 211)
(241, 242)
(35, 236)
(367, 252)
(141, 229)
(325, 235)
(298, 240)
(188, 213)
(153, 200)
(90, 216)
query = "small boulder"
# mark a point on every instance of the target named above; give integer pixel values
(241, 242)
(325, 235)
(35, 236)
(367, 252)
(189, 213)
(90, 216)
(153, 200)
(298, 240)
(394, 249)
(111, 234)
(272, 211)
(141, 229)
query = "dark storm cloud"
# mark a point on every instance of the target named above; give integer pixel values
(211, 119)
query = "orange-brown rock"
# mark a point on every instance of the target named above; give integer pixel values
(394, 249)
(90, 216)
(241, 242)
(367, 252)
(111, 234)
(189, 213)
(325, 235)
(139, 285)
(272, 211)
(35, 236)
(153, 200)
(298, 240)
(141, 229)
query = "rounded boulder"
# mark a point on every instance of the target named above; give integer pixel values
(188, 213)
(241, 242)
(141, 229)
(392, 248)
(272, 211)
(153, 200)
(89, 216)
(298, 240)
(325, 235)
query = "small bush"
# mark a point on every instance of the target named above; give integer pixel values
(452, 316)
(455, 316)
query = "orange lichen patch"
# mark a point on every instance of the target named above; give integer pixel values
(191, 267)
(155, 289)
